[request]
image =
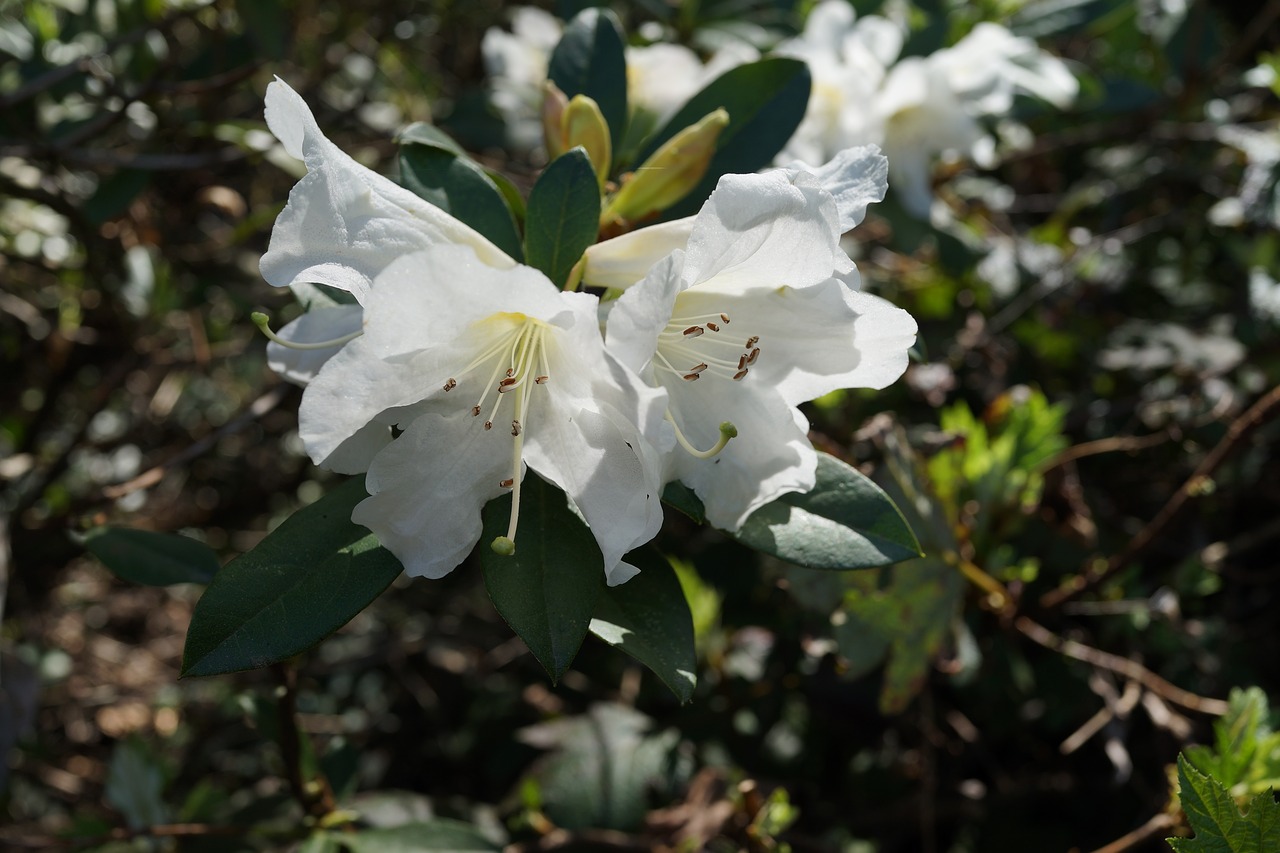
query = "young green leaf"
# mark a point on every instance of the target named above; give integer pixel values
(844, 522)
(648, 618)
(563, 215)
(590, 60)
(1218, 823)
(765, 100)
(150, 558)
(301, 583)
(548, 589)
(458, 186)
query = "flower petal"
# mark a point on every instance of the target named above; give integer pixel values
(622, 261)
(319, 324)
(642, 312)
(855, 178)
(344, 223)
(427, 488)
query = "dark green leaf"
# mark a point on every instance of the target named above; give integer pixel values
(590, 60)
(135, 783)
(424, 133)
(648, 618)
(459, 187)
(563, 216)
(510, 192)
(432, 836)
(546, 591)
(1216, 819)
(680, 497)
(115, 194)
(154, 559)
(845, 522)
(301, 583)
(765, 101)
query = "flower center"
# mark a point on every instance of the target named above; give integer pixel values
(514, 359)
(694, 346)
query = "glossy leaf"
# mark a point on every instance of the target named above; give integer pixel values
(452, 182)
(433, 836)
(548, 589)
(301, 583)
(845, 522)
(154, 559)
(648, 618)
(765, 101)
(590, 60)
(563, 215)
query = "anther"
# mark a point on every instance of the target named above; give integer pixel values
(451, 384)
(713, 327)
(511, 371)
(755, 353)
(507, 483)
(541, 380)
(515, 427)
(724, 318)
(698, 368)
(692, 377)
(752, 341)
(505, 385)
(692, 331)
(742, 361)
(741, 373)
(488, 424)
(475, 411)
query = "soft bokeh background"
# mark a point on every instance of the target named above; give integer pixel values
(1123, 262)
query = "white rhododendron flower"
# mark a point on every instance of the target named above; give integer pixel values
(918, 108)
(759, 313)
(484, 372)
(516, 65)
(341, 227)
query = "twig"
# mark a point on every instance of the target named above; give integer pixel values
(1159, 823)
(1126, 443)
(314, 795)
(1123, 666)
(1240, 428)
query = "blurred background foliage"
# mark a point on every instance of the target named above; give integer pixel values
(1093, 405)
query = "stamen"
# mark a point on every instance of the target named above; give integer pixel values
(713, 327)
(698, 368)
(506, 484)
(542, 380)
(755, 353)
(737, 377)
(742, 362)
(507, 384)
(488, 424)
(451, 384)
(692, 377)
(263, 322)
(752, 341)
(727, 431)
(724, 318)
(475, 411)
(692, 331)
(515, 427)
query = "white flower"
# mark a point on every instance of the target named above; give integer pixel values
(516, 63)
(847, 58)
(662, 77)
(341, 227)
(483, 371)
(758, 314)
(990, 65)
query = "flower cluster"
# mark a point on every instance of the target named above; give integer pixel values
(455, 369)
(918, 107)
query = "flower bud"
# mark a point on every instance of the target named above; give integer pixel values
(582, 123)
(554, 104)
(668, 175)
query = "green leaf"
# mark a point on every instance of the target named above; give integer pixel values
(301, 583)
(902, 613)
(150, 558)
(648, 618)
(590, 60)
(844, 522)
(765, 101)
(1246, 753)
(680, 497)
(604, 768)
(115, 194)
(432, 836)
(456, 185)
(135, 783)
(548, 589)
(1218, 823)
(563, 215)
